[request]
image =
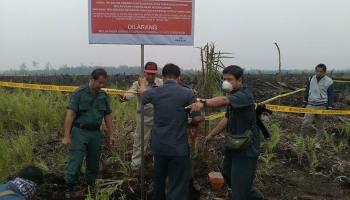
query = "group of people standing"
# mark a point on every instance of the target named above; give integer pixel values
(168, 106)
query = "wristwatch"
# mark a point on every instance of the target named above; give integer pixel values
(203, 101)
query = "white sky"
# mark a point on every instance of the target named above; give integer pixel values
(308, 32)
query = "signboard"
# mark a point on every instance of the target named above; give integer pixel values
(156, 22)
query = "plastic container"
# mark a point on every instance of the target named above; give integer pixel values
(216, 180)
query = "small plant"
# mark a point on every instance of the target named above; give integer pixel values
(311, 153)
(269, 154)
(340, 146)
(266, 159)
(299, 148)
(107, 187)
(96, 196)
(329, 138)
(340, 141)
(345, 133)
(275, 137)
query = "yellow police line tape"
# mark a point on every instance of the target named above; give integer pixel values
(341, 81)
(275, 108)
(281, 95)
(288, 109)
(56, 87)
(220, 115)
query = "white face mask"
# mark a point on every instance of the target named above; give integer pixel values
(227, 86)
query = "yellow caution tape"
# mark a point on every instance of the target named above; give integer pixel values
(341, 81)
(279, 96)
(215, 116)
(221, 115)
(275, 108)
(57, 88)
(289, 109)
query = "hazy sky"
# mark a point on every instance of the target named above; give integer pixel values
(308, 32)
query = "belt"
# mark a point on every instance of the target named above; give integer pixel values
(87, 127)
(6, 192)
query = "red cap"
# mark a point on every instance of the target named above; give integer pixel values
(151, 69)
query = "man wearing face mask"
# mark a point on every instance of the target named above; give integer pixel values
(319, 94)
(242, 139)
(151, 70)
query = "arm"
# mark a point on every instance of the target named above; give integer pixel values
(147, 95)
(68, 126)
(196, 117)
(196, 120)
(306, 92)
(218, 102)
(143, 88)
(213, 102)
(330, 94)
(218, 129)
(128, 96)
(109, 125)
(72, 110)
(239, 99)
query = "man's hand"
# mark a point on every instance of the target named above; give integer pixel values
(208, 138)
(142, 83)
(196, 107)
(66, 140)
(142, 80)
(122, 98)
(304, 104)
(111, 140)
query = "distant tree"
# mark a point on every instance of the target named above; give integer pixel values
(35, 64)
(23, 69)
(47, 68)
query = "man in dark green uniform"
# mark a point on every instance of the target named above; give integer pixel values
(240, 161)
(87, 107)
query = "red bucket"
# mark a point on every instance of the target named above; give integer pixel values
(216, 180)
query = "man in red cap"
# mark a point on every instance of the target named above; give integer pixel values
(151, 70)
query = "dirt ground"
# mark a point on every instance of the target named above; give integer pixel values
(286, 180)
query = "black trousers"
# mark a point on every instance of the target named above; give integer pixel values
(178, 171)
(239, 174)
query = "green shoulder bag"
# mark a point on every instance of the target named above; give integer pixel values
(239, 142)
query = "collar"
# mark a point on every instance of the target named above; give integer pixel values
(87, 89)
(26, 187)
(170, 82)
(240, 88)
(318, 79)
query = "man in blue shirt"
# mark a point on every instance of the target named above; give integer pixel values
(169, 138)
